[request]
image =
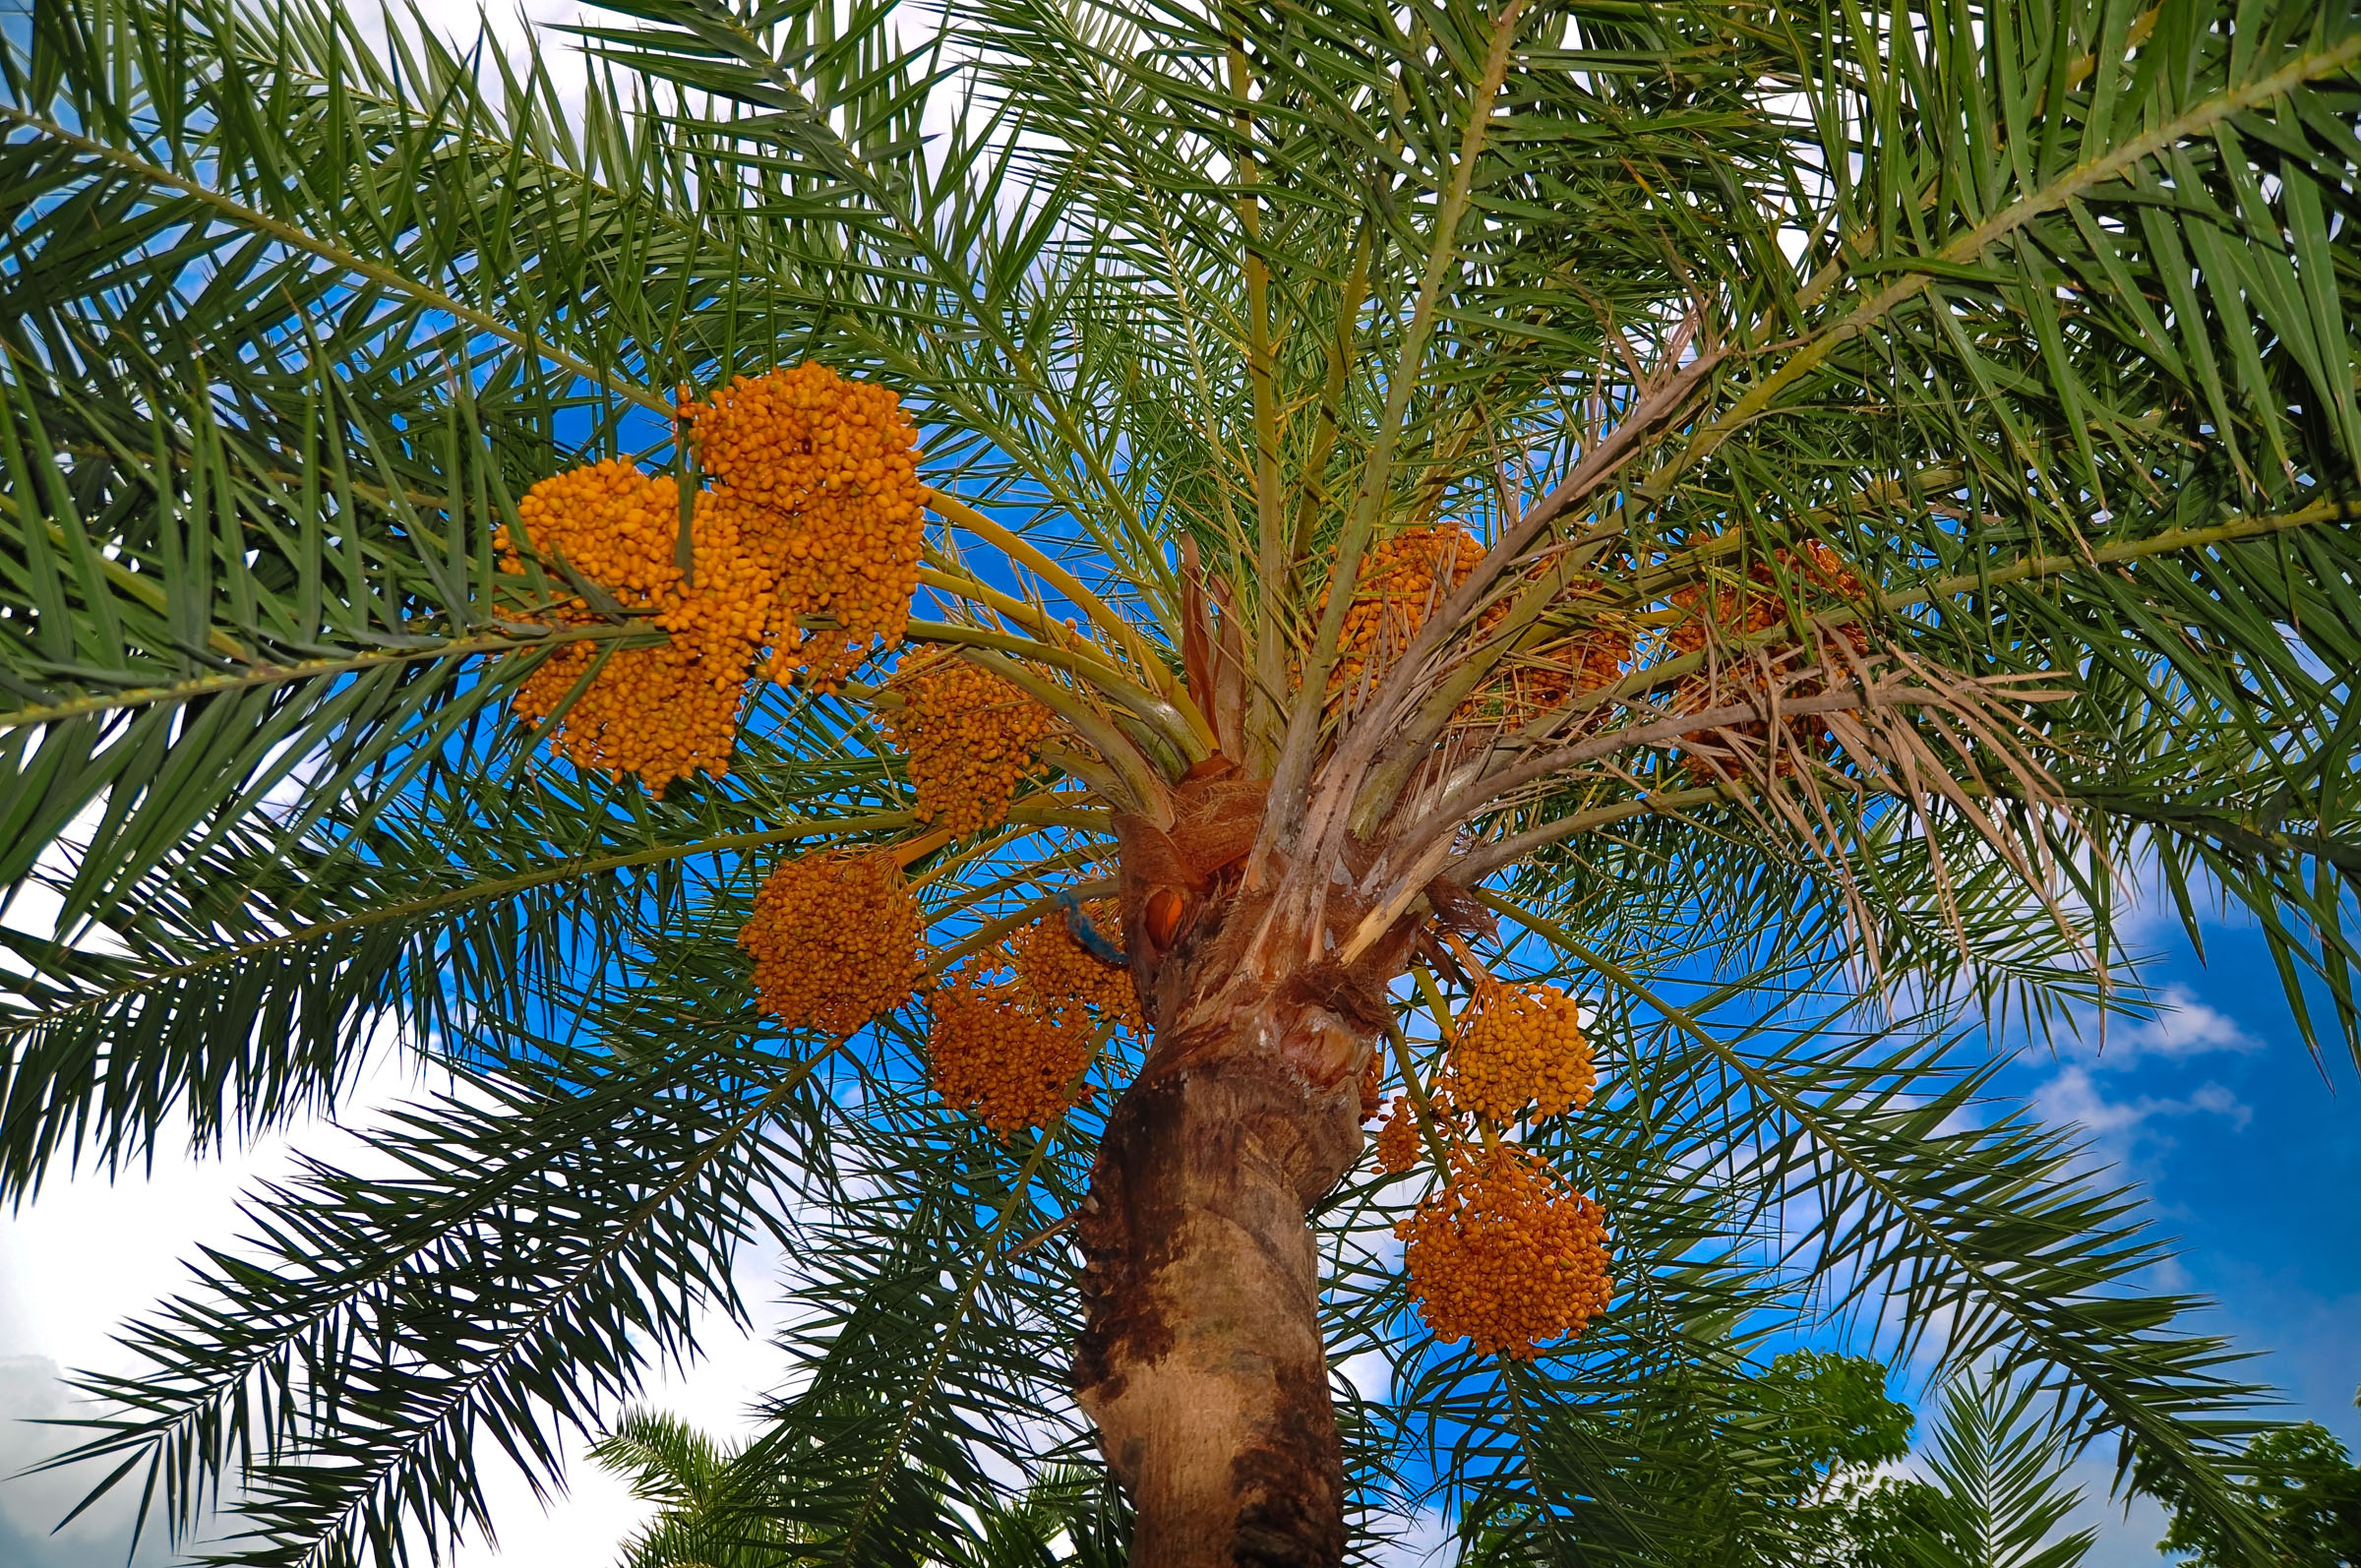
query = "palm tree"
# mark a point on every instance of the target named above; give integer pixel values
(710, 1511)
(1709, 540)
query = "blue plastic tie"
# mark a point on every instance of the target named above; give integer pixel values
(1078, 924)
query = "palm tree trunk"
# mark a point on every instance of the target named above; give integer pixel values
(1201, 1361)
(1201, 1358)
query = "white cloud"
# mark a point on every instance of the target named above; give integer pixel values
(2182, 1027)
(2073, 1098)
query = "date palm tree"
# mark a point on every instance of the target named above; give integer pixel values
(1768, 517)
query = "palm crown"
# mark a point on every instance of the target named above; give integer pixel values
(1759, 516)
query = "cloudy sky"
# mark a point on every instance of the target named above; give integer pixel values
(2250, 1151)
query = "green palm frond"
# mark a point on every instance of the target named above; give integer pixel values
(2037, 319)
(2001, 1471)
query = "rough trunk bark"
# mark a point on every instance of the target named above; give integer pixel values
(1201, 1358)
(1202, 1362)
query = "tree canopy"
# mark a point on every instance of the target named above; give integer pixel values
(1702, 549)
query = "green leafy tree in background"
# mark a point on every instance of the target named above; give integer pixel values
(2306, 1491)
(1904, 462)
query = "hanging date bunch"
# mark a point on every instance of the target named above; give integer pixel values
(1506, 1255)
(1816, 577)
(660, 712)
(1064, 975)
(1520, 1048)
(972, 738)
(1407, 578)
(1397, 1141)
(1503, 1253)
(814, 510)
(996, 1052)
(820, 476)
(837, 939)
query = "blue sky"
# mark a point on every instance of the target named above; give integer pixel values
(2251, 1155)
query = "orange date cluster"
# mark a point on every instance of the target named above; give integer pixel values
(816, 511)
(1520, 1048)
(660, 712)
(1507, 1255)
(1397, 1140)
(1751, 606)
(997, 1053)
(1757, 604)
(1064, 974)
(822, 475)
(972, 738)
(835, 938)
(1407, 578)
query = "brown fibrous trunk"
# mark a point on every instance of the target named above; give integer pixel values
(1201, 1358)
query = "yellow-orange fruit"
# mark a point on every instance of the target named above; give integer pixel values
(1506, 1255)
(660, 712)
(1405, 580)
(820, 478)
(1521, 1047)
(1004, 1061)
(1756, 604)
(835, 938)
(971, 737)
(1398, 1139)
(1540, 682)
(1752, 606)
(1064, 974)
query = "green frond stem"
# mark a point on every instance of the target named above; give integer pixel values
(1262, 372)
(1139, 777)
(1074, 764)
(1339, 354)
(1292, 774)
(1100, 676)
(946, 574)
(1421, 1106)
(1150, 659)
(1921, 274)
(250, 218)
(982, 849)
(304, 670)
(985, 935)
(1020, 1189)
(1032, 872)
(2133, 1414)
(918, 848)
(144, 589)
(1088, 819)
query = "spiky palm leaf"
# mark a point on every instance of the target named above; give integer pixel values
(2034, 317)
